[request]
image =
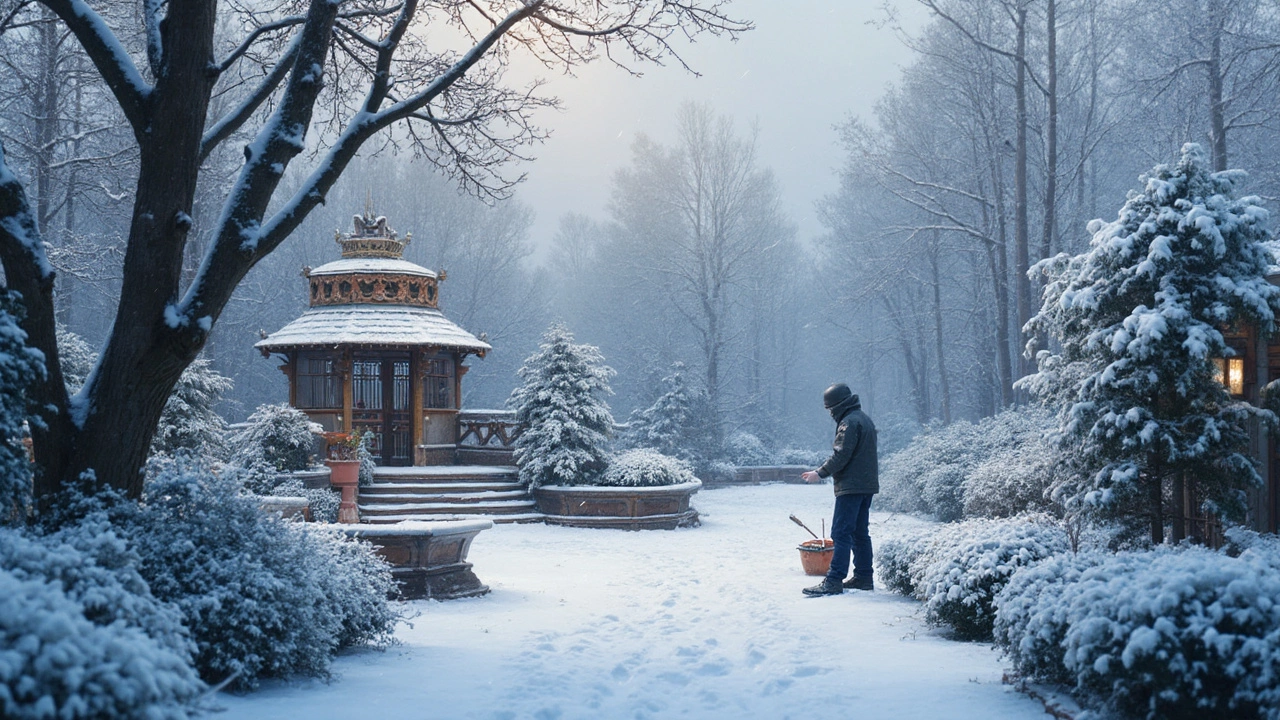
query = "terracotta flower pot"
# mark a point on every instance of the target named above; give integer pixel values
(343, 472)
(345, 475)
(815, 556)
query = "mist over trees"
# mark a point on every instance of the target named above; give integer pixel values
(1016, 123)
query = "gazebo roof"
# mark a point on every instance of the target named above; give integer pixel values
(372, 297)
(362, 265)
(385, 325)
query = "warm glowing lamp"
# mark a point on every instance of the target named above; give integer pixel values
(1230, 372)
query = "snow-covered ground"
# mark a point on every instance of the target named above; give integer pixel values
(699, 623)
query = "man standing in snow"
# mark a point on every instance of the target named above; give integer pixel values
(855, 473)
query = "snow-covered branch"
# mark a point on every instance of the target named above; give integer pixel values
(109, 56)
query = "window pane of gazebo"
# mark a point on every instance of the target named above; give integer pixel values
(437, 378)
(400, 385)
(319, 386)
(367, 384)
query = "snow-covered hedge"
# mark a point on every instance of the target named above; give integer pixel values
(264, 597)
(1170, 633)
(998, 467)
(958, 569)
(645, 467)
(81, 636)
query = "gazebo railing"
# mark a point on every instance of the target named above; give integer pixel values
(486, 436)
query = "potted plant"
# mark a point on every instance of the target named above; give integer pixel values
(342, 457)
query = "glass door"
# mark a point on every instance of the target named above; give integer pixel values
(381, 399)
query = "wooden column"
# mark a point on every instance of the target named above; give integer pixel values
(348, 388)
(417, 428)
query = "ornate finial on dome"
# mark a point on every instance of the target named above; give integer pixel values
(372, 237)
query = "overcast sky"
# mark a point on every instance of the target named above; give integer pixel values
(807, 66)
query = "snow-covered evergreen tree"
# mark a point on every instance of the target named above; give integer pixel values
(564, 419)
(76, 357)
(19, 367)
(1143, 310)
(676, 424)
(189, 421)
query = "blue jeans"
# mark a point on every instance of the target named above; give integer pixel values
(850, 529)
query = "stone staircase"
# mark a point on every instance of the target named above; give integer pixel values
(446, 492)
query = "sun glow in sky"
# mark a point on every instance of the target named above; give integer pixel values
(806, 67)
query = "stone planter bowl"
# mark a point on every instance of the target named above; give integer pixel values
(663, 507)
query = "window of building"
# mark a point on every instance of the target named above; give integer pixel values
(319, 386)
(437, 383)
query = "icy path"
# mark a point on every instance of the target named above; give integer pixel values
(701, 623)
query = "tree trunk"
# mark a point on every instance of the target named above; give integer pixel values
(943, 382)
(144, 356)
(1051, 140)
(1217, 110)
(998, 262)
(1021, 228)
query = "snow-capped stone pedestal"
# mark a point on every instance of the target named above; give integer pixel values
(428, 559)
(664, 507)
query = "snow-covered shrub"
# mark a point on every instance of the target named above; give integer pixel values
(189, 421)
(958, 586)
(367, 463)
(645, 467)
(1141, 315)
(934, 472)
(264, 597)
(263, 479)
(743, 448)
(1021, 466)
(894, 432)
(895, 558)
(81, 634)
(281, 436)
(564, 420)
(1170, 633)
(19, 367)
(801, 456)
(1031, 620)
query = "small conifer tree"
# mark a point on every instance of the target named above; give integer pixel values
(1140, 316)
(565, 424)
(189, 421)
(676, 424)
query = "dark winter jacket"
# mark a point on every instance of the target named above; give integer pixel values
(853, 465)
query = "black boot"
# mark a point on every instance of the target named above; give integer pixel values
(826, 587)
(857, 583)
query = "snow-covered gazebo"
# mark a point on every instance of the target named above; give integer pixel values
(374, 352)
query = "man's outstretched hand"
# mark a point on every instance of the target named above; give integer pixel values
(811, 476)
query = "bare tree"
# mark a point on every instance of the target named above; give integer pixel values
(709, 212)
(363, 67)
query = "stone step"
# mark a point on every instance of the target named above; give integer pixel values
(444, 474)
(403, 488)
(516, 493)
(496, 507)
(496, 519)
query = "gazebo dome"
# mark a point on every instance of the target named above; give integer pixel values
(372, 296)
